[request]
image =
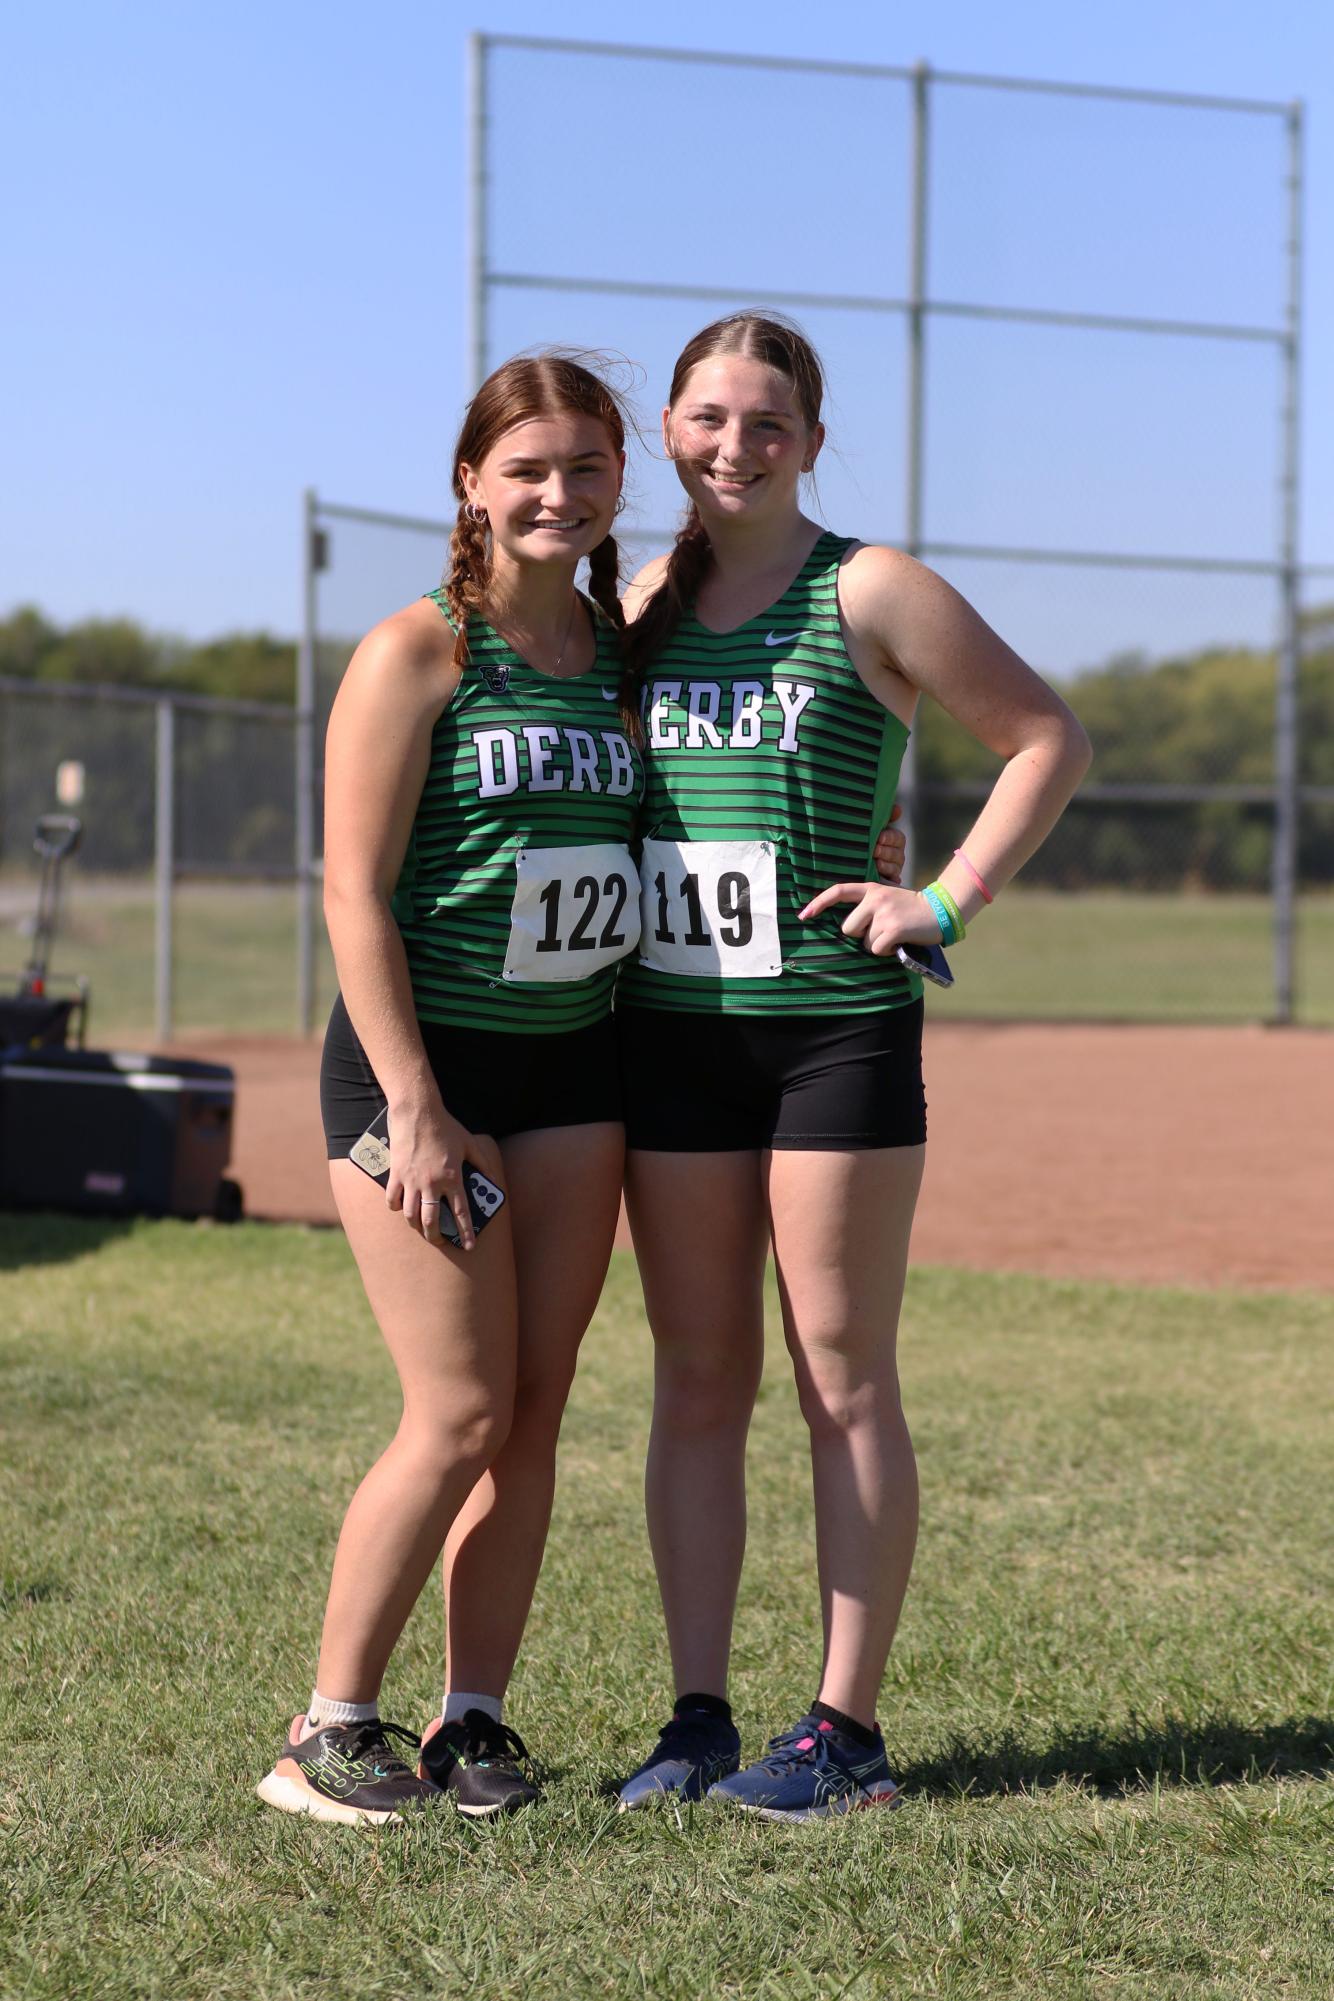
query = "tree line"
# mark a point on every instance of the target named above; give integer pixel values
(1201, 718)
(241, 666)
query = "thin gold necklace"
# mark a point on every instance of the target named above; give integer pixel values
(560, 657)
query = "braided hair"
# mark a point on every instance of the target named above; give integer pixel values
(466, 578)
(687, 567)
(542, 385)
(604, 579)
(781, 346)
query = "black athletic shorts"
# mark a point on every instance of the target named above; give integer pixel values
(721, 1083)
(491, 1083)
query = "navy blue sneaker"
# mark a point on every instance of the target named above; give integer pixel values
(812, 1771)
(693, 1750)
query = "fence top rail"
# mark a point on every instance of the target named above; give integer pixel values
(653, 288)
(379, 517)
(1255, 566)
(1093, 559)
(1109, 559)
(116, 691)
(1190, 100)
(1219, 793)
(870, 302)
(723, 58)
(893, 72)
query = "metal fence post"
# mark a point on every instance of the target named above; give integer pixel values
(478, 275)
(1287, 774)
(916, 314)
(304, 774)
(164, 837)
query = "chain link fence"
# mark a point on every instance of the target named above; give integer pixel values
(181, 905)
(1151, 900)
(1061, 328)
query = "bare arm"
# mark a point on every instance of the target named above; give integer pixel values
(911, 633)
(933, 639)
(378, 753)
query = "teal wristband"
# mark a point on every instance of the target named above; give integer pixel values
(949, 934)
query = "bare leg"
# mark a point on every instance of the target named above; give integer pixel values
(841, 1223)
(699, 1229)
(564, 1185)
(449, 1323)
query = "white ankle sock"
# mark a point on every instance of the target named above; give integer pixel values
(458, 1700)
(322, 1711)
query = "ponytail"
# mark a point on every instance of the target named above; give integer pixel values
(645, 638)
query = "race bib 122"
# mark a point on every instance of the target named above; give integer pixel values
(575, 911)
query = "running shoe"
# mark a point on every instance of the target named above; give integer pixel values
(693, 1750)
(483, 1765)
(812, 1771)
(346, 1772)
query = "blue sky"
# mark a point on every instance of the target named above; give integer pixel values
(236, 242)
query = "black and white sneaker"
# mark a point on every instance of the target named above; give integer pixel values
(483, 1765)
(345, 1772)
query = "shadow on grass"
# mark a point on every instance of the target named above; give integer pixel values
(41, 1237)
(16, 1596)
(1214, 1753)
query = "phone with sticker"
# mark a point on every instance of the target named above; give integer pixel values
(485, 1197)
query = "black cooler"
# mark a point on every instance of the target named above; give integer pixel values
(114, 1134)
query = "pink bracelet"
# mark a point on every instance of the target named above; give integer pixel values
(959, 855)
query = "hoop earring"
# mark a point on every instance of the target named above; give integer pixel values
(620, 504)
(474, 512)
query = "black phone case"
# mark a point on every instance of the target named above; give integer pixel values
(485, 1198)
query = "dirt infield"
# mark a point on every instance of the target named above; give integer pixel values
(1203, 1156)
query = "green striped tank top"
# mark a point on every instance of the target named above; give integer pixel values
(771, 771)
(518, 893)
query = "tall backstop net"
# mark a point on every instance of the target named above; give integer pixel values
(1062, 329)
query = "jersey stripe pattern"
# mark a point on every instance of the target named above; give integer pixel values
(768, 733)
(519, 760)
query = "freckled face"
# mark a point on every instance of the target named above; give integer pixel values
(739, 438)
(549, 488)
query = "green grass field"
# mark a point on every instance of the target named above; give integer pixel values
(1040, 955)
(1110, 1704)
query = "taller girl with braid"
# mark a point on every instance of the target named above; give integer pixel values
(771, 1037)
(480, 793)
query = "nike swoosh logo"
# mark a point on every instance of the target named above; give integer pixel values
(780, 638)
(607, 694)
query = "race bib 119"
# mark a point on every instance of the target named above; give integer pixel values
(710, 907)
(575, 911)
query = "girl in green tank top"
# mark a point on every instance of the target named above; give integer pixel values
(778, 670)
(765, 735)
(481, 786)
(527, 769)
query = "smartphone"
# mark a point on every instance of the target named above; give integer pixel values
(929, 961)
(485, 1197)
